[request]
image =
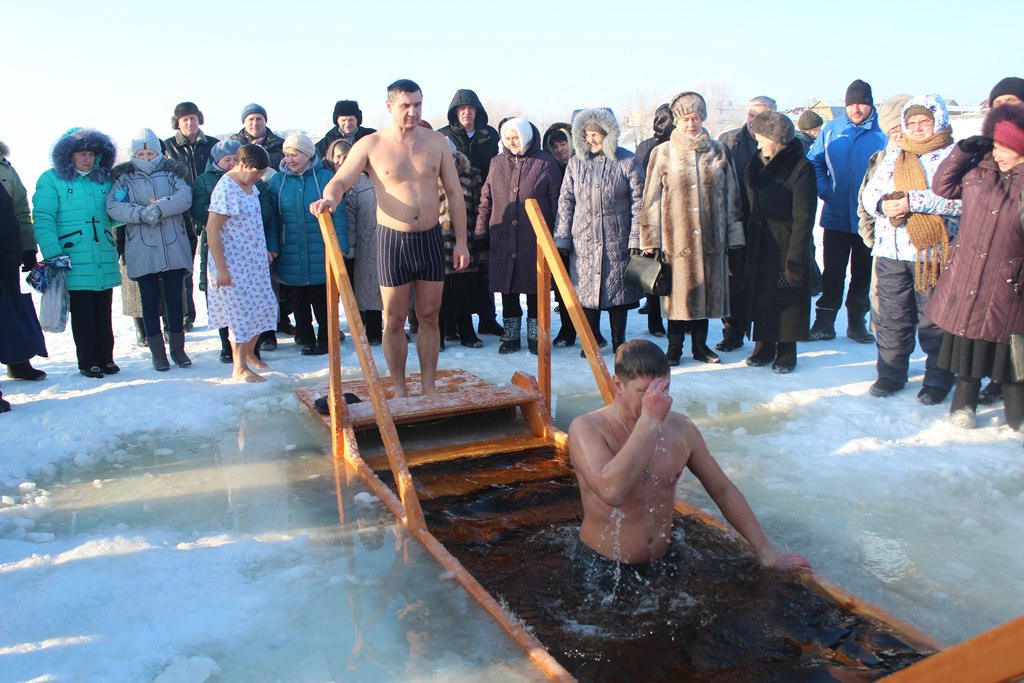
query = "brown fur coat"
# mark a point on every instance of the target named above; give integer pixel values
(691, 211)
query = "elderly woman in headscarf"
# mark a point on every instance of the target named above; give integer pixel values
(70, 217)
(913, 228)
(691, 215)
(599, 219)
(783, 198)
(522, 171)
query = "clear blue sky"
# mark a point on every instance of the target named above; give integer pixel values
(119, 66)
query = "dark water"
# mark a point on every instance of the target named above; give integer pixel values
(721, 617)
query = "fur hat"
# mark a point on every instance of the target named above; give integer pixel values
(84, 139)
(1005, 125)
(774, 126)
(347, 108)
(605, 119)
(300, 142)
(185, 109)
(224, 148)
(145, 139)
(664, 123)
(889, 112)
(523, 127)
(809, 120)
(689, 103)
(859, 92)
(1011, 85)
(254, 109)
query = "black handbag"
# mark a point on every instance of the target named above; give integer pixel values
(21, 337)
(649, 274)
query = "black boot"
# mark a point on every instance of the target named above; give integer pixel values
(374, 322)
(824, 327)
(465, 335)
(531, 335)
(158, 353)
(992, 393)
(140, 333)
(267, 341)
(1013, 405)
(964, 405)
(5, 407)
(24, 371)
(488, 325)
(617, 321)
(511, 339)
(676, 337)
(655, 327)
(566, 332)
(785, 358)
(178, 355)
(699, 342)
(856, 329)
(225, 346)
(450, 329)
(764, 354)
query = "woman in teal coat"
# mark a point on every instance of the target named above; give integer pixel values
(70, 217)
(293, 234)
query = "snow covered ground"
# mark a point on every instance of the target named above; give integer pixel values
(176, 523)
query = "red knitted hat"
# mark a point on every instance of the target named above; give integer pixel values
(1008, 134)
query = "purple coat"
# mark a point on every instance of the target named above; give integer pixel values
(978, 295)
(502, 216)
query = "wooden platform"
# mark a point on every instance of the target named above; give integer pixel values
(458, 393)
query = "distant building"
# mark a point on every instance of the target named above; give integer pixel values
(826, 111)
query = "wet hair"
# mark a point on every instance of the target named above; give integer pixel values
(402, 85)
(253, 156)
(640, 358)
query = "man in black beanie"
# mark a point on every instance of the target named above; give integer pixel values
(348, 119)
(191, 147)
(840, 158)
(1010, 90)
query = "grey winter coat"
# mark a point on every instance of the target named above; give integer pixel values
(691, 212)
(599, 215)
(152, 248)
(361, 211)
(502, 218)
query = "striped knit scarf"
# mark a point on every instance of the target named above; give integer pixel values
(927, 231)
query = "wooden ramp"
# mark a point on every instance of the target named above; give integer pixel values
(506, 434)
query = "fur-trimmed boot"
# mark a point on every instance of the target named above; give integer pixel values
(824, 328)
(178, 355)
(511, 339)
(158, 352)
(531, 335)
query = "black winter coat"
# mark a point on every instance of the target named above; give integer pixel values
(783, 198)
(10, 244)
(741, 147)
(193, 154)
(480, 148)
(334, 134)
(272, 142)
(502, 215)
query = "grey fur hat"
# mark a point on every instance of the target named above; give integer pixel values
(689, 103)
(186, 109)
(773, 125)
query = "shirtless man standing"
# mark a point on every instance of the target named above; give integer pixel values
(628, 457)
(405, 161)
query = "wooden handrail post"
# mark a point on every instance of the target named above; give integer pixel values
(385, 422)
(546, 249)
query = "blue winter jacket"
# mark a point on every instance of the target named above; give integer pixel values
(840, 158)
(293, 232)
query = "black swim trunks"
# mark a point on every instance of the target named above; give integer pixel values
(599, 573)
(406, 256)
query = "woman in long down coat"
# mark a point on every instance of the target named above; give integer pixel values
(599, 219)
(70, 217)
(691, 213)
(522, 171)
(978, 300)
(783, 198)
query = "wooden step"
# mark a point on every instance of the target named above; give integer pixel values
(431, 486)
(458, 393)
(473, 449)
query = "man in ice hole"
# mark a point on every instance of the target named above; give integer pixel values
(628, 457)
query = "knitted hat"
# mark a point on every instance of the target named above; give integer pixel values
(144, 138)
(859, 92)
(809, 120)
(1005, 125)
(224, 148)
(1011, 85)
(773, 125)
(523, 127)
(348, 108)
(254, 109)
(689, 103)
(594, 127)
(889, 111)
(185, 109)
(916, 109)
(300, 142)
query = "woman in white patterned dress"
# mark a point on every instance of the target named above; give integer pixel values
(240, 296)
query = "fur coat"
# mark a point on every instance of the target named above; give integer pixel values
(691, 212)
(599, 215)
